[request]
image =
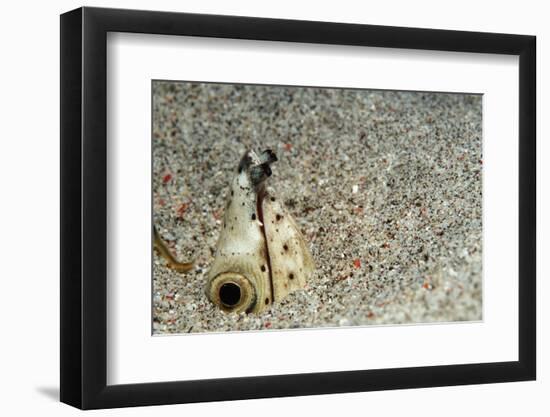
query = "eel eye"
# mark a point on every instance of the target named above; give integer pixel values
(230, 294)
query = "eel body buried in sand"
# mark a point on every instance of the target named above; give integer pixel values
(261, 255)
(171, 261)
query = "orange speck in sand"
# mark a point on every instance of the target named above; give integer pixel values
(217, 214)
(357, 263)
(182, 209)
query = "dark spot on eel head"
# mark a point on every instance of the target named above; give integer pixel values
(291, 276)
(272, 198)
(263, 268)
(253, 216)
(232, 192)
(285, 246)
(267, 300)
(278, 217)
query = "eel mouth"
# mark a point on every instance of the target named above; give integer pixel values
(259, 173)
(261, 196)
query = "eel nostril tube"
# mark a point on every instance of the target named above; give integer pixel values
(230, 294)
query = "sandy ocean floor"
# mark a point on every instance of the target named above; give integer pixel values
(385, 186)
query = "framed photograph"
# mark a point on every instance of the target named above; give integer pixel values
(257, 208)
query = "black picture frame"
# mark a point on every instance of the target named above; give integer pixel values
(84, 207)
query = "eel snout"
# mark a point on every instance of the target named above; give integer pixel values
(257, 166)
